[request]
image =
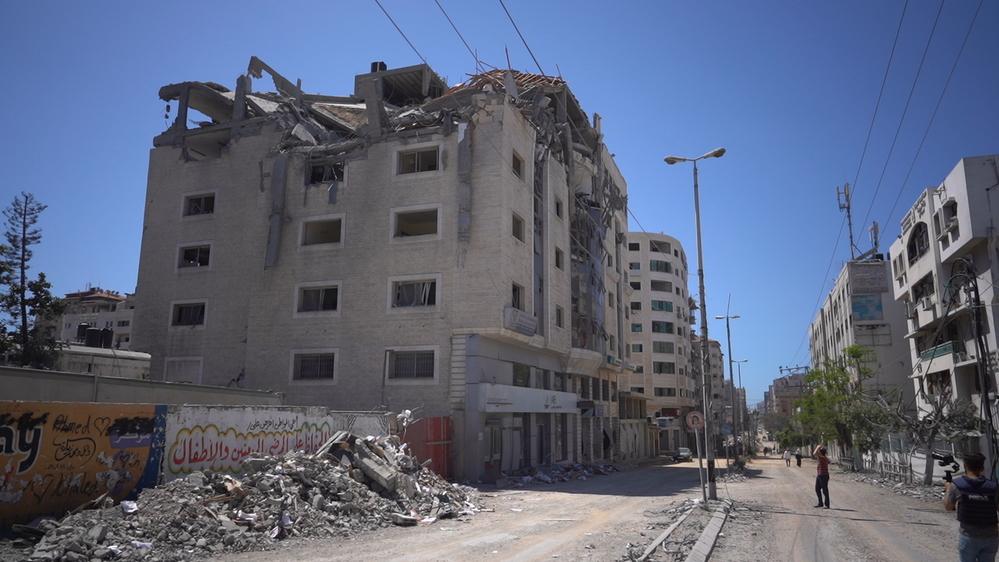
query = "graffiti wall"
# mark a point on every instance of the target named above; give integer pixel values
(55, 456)
(218, 438)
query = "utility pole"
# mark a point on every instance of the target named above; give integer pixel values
(843, 198)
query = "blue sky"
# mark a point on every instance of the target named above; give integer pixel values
(787, 87)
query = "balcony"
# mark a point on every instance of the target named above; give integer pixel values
(944, 357)
(946, 348)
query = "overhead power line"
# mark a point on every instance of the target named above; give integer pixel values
(863, 155)
(905, 111)
(411, 46)
(524, 41)
(460, 36)
(933, 116)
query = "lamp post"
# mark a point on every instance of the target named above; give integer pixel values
(731, 374)
(739, 362)
(705, 355)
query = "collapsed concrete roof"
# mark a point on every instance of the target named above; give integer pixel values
(384, 101)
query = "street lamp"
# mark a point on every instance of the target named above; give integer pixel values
(705, 355)
(731, 375)
(741, 413)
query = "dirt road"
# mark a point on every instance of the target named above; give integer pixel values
(865, 522)
(580, 520)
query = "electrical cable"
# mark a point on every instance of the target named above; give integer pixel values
(460, 36)
(411, 46)
(936, 108)
(528, 47)
(905, 111)
(863, 155)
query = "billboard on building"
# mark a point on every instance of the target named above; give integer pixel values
(866, 308)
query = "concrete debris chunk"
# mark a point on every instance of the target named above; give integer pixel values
(350, 484)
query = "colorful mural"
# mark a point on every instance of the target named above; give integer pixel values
(56, 456)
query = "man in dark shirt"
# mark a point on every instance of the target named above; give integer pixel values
(822, 475)
(974, 499)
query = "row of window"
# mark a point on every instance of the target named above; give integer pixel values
(657, 347)
(659, 327)
(657, 305)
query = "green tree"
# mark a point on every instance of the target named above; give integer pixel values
(26, 301)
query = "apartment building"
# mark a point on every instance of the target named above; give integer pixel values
(944, 268)
(783, 392)
(454, 251)
(715, 381)
(860, 310)
(106, 314)
(659, 335)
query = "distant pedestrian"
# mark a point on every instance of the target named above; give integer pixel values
(974, 499)
(822, 475)
(787, 457)
(797, 457)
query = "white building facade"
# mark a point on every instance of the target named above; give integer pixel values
(944, 269)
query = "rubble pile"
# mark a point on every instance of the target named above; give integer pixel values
(918, 491)
(560, 473)
(348, 485)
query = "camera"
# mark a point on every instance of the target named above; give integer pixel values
(944, 460)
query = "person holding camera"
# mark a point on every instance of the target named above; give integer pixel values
(821, 475)
(974, 498)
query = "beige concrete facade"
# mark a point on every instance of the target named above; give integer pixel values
(430, 270)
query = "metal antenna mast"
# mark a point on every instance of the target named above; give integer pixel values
(843, 198)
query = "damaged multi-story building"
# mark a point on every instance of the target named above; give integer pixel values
(659, 334)
(451, 250)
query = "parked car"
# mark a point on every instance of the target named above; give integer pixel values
(683, 454)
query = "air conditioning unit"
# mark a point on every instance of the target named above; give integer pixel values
(926, 303)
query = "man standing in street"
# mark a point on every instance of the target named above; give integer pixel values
(787, 457)
(974, 499)
(822, 475)
(797, 457)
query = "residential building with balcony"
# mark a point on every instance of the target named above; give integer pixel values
(945, 253)
(453, 251)
(658, 334)
(106, 314)
(860, 310)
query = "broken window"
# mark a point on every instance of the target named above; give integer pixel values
(662, 347)
(521, 375)
(559, 316)
(188, 314)
(665, 306)
(415, 223)
(414, 161)
(635, 266)
(659, 246)
(634, 246)
(559, 259)
(662, 327)
(662, 286)
(314, 366)
(318, 299)
(411, 364)
(517, 297)
(636, 305)
(636, 285)
(414, 293)
(517, 164)
(325, 172)
(663, 367)
(660, 266)
(195, 256)
(325, 231)
(919, 242)
(518, 227)
(203, 204)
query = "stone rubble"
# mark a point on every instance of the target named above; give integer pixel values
(681, 541)
(349, 485)
(559, 473)
(926, 493)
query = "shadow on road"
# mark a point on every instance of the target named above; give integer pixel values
(646, 481)
(827, 515)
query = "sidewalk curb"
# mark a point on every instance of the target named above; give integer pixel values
(706, 543)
